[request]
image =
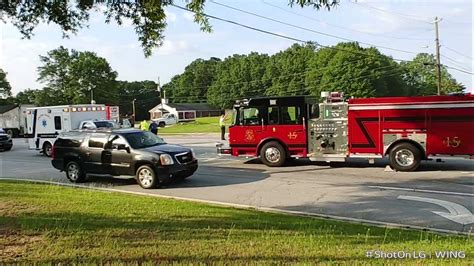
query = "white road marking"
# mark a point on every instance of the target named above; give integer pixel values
(424, 190)
(243, 206)
(208, 159)
(457, 213)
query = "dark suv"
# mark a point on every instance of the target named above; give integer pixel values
(6, 142)
(122, 152)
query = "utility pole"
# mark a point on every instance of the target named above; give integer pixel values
(438, 60)
(158, 88)
(133, 108)
(92, 96)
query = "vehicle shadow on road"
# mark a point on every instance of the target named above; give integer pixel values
(425, 166)
(205, 176)
(214, 176)
(107, 181)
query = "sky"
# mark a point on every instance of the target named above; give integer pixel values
(402, 24)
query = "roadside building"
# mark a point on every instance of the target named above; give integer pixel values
(184, 111)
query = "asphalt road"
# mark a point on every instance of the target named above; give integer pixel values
(438, 196)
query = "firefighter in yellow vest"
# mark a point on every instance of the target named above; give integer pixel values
(222, 125)
(144, 125)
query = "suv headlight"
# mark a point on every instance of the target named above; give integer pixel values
(166, 159)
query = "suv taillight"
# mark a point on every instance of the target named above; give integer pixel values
(53, 152)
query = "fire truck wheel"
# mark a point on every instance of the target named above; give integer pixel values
(405, 157)
(273, 154)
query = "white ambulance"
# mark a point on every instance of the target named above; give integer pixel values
(45, 123)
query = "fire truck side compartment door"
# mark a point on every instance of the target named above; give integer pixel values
(328, 135)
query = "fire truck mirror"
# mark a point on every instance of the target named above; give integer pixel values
(314, 112)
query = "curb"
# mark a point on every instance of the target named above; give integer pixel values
(250, 207)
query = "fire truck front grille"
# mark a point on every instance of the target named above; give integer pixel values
(184, 157)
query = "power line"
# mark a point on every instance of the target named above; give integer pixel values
(456, 63)
(459, 22)
(303, 80)
(229, 84)
(342, 27)
(243, 25)
(307, 29)
(457, 52)
(393, 13)
(283, 36)
(460, 70)
(282, 76)
(388, 73)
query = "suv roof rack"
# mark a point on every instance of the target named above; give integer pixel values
(98, 130)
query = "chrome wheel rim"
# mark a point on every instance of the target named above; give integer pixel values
(272, 154)
(73, 171)
(146, 177)
(404, 157)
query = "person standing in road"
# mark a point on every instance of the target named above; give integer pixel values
(154, 127)
(222, 125)
(144, 125)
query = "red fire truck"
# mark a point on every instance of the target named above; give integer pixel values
(406, 129)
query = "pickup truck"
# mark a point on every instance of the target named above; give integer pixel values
(166, 119)
(97, 124)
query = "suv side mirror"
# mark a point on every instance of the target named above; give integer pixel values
(123, 147)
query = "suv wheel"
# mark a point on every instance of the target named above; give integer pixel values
(74, 172)
(146, 177)
(47, 149)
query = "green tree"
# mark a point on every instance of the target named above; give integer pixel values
(74, 76)
(5, 88)
(144, 92)
(48, 96)
(286, 70)
(192, 85)
(91, 72)
(357, 71)
(421, 78)
(27, 96)
(237, 77)
(147, 16)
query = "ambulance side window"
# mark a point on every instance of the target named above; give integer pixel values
(57, 122)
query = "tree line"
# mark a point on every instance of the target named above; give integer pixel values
(307, 70)
(74, 77)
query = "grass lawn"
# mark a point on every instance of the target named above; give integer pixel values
(201, 125)
(48, 223)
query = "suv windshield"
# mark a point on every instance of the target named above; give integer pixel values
(140, 140)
